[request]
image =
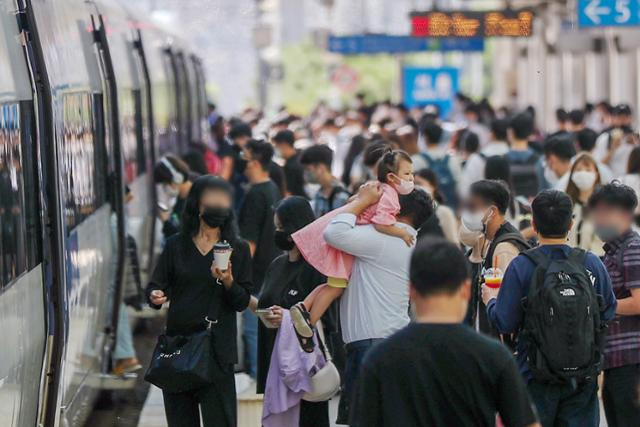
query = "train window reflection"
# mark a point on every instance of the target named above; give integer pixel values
(81, 164)
(129, 138)
(13, 230)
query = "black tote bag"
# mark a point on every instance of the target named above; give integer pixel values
(184, 362)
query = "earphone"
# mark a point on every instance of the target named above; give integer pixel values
(176, 176)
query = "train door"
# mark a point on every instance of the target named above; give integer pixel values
(171, 66)
(148, 137)
(82, 175)
(22, 287)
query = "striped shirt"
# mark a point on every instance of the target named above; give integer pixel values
(623, 338)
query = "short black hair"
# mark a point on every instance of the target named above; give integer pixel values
(616, 195)
(437, 267)
(493, 193)
(262, 152)
(499, 129)
(552, 213)
(418, 206)
(586, 139)
(622, 110)
(576, 116)
(374, 152)
(239, 130)
(561, 146)
(522, 125)
(285, 136)
(432, 132)
(317, 154)
(561, 115)
(470, 142)
(390, 162)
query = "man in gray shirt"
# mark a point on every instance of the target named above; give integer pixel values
(376, 301)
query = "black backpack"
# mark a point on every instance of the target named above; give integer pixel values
(524, 175)
(562, 329)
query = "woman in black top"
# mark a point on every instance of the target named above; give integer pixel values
(185, 276)
(288, 280)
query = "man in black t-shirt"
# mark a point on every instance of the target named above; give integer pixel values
(257, 227)
(437, 371)
(293, 170)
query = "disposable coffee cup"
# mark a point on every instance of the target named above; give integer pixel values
(493, 278)
(221, 255)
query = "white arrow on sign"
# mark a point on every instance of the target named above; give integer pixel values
(594, 10)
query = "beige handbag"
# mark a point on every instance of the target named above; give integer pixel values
(326, 382)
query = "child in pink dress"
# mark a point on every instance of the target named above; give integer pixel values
(395, 173)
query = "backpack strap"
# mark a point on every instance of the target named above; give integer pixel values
(538, 258)
(337, 189)
(577, 256)
(427, 157)
(512, 237)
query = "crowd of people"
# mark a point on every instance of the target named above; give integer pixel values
(468, 271)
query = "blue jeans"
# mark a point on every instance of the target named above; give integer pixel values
(356, 351)
(124, 338)
(250, 336)
(566, 405)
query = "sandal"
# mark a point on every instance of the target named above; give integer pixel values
(302, 326)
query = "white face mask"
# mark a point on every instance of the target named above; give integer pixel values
(473, 221)
(170, 191)
(550, 176)
(584, 180)
(468, 237)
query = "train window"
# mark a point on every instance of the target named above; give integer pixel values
(82, 165)
(16, 245)
(129, 140)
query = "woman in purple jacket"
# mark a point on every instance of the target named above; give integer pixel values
(288, 280)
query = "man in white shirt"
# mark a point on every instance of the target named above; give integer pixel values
(497, 146)
(375, 304)
(614, 147)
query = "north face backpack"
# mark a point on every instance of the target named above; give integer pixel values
(562, 330)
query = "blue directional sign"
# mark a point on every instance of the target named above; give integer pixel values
(430, 86)
(381, 43)
(608, 13)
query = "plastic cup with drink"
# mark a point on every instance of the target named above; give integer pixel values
(493, 278)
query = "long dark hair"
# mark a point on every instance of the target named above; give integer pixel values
(572, 189)
(191, 213)
(294, 214)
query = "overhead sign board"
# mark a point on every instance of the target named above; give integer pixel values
(465, 24)
(380, 43)
(430, 86)
(608, 13)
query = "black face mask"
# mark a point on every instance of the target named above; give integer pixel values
(215, 217)
(282, 240)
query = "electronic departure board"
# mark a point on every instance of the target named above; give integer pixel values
(503, 23)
